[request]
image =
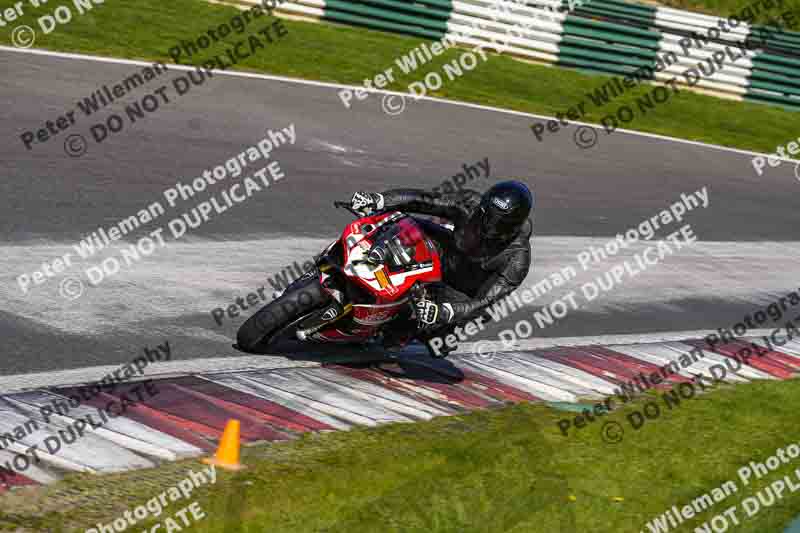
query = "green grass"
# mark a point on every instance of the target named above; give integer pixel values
(146, 29)
(505, 470)
(726, 8)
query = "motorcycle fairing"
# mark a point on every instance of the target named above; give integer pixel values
(406, 256)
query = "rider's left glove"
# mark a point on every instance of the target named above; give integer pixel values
(432, 315)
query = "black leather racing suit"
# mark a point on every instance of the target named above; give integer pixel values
(475, 274)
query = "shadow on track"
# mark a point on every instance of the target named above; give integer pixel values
(411, 363)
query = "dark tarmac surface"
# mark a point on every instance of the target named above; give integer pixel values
(50, 201)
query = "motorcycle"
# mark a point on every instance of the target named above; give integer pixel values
(361, 287)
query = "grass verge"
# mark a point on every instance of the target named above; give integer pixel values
(726, 8)
(146, 29)
(504, 470)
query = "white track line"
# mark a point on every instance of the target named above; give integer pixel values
(252, 75)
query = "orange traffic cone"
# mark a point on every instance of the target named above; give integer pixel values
(227, 456)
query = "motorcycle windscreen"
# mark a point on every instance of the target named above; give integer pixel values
(401, 254)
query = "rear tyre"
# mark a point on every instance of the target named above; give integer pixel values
(275, 318)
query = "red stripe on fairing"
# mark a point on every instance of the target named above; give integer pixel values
(645, 367)
(788, 360)
(195, 433)
(463, 400)
(764, 362)
(275, 413)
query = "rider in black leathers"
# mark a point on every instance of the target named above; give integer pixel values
(484, 258)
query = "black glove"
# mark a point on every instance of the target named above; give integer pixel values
(432, 315)
(365, 203)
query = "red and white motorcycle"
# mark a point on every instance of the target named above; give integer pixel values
(361, 286)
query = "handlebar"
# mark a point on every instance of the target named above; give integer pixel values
(346, 205)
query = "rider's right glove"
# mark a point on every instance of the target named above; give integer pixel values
(432, 315)
(365, 203)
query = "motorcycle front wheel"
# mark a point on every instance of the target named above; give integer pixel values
(278, 317)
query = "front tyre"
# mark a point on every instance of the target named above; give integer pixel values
(301, 298)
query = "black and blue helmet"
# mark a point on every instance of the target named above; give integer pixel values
(504, 209)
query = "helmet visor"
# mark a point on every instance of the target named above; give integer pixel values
(496, 225)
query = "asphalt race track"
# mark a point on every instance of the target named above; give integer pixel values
(49, 201)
